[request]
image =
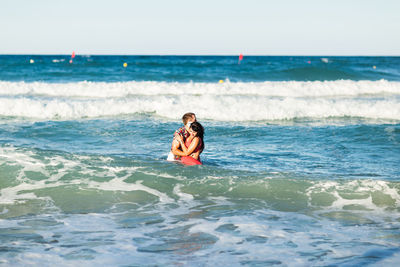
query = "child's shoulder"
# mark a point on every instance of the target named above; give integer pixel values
(180, 131)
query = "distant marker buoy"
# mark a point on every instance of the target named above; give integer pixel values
(221, 81)
(72, 56)
(240, 58)
(374, 67)
(31, 61)
(125, 65)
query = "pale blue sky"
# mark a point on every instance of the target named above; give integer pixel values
(251, 27)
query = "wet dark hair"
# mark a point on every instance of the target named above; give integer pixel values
(198, 128)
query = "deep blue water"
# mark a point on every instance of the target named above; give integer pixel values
(301, 165)
(56, 68)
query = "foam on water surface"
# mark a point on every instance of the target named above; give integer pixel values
(228, 102)
(37, 171)
(213, 218)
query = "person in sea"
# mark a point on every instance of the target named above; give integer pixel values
(193, 145)
(176, 152)
(188, 140)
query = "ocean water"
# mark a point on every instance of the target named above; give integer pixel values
(301, 161)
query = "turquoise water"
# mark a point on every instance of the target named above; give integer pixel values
(301, 165)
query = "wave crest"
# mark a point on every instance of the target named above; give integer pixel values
(222, 102)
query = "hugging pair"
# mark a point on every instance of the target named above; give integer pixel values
(188, 143)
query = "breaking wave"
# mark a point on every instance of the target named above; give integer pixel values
(254, 101)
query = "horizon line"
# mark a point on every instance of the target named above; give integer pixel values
(205, 55)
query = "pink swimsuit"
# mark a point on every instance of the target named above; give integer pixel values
(188, 160)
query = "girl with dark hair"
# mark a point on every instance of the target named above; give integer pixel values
(193, 145)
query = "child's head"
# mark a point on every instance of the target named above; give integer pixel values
(188, 117)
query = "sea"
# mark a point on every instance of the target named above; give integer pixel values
(301, 165)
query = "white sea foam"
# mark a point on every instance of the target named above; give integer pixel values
(221, 102)
(183, 196)
(362, 193)
(277, 89)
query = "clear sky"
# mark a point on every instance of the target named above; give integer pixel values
(202, 27)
